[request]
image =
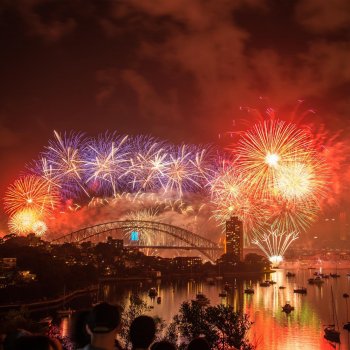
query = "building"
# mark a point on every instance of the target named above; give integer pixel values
(234, 238)
(187, 263)
(117, 243)
(8, 263)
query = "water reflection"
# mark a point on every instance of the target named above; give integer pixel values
(272, 328)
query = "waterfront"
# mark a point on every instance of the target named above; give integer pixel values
(272, 329)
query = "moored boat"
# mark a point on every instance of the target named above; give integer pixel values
(287, 308)
(249, 290)
(331, 331)
(223, 294)
(316, 280)
(152, 293)
(290, 274)
(227, 287)
(331, 334)
(300, 290)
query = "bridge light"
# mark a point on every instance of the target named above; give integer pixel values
(134, 236)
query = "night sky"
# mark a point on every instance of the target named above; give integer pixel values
(179, 70)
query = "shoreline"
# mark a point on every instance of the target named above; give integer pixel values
(39, 305)
(49, 304)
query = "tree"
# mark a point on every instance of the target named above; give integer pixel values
(222, 327)
(136, 308)
(231, 326)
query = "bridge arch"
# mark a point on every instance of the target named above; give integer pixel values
(185, 239)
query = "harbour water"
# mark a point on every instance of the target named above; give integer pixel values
(272, 329)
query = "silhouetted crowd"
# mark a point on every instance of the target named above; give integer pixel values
(97, 330)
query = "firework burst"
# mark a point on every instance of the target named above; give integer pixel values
(22, 221)
(148, 164)
(267, 147)
(31, 192)
(39, 227)
(105, 164)
(63, 159)
(274, 243)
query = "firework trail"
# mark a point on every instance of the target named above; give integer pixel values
(274, 243)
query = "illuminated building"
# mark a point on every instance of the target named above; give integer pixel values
(187, 263)
(117, 243)
(234, 238)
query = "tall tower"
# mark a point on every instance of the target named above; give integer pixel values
(234, 238)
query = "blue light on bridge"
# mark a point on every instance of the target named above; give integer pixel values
(134, 236)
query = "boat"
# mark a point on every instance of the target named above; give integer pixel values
(219, 278)
(271, 282)
(287, 308)
(281, 287)
(348, 274)
(210, 280)
(316, 280)
(290, 274)
(325, 275)
(201, 299)
(227, 287)
(300, 290)
(249, 290)
(331, 332)
(152, 293)
(334, 275)
(223, 294)
(347, 326)
(159, 300)
(264, 284)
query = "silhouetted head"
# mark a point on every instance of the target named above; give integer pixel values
(78, 333)
(198, 344)
(11, 338)
(163, 345)
(142, 332)
(103, 318)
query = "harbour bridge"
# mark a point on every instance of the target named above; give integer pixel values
(145, 235)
